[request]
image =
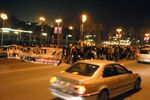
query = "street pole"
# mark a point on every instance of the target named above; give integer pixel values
(119, 30)
(81, 36)
(4, 17)
(58, 35)
(66, 39)
(42, 19)
(20, 36)
(84, 18)
(119, 38)
(30, 37)
(59, 38)
(41, 34)
(2, 35)
(99, 34)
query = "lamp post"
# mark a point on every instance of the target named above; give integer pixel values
(119, 35)
(58, 21)
(42, 19)
(4, 17)
(84, 18)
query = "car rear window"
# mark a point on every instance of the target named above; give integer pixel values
(83, 69)
(144, 51)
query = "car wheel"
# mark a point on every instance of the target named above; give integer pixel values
(137, 85)
(103, 96)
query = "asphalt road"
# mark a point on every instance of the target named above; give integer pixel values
(20, 80)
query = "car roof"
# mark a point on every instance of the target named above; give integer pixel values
(98, 62)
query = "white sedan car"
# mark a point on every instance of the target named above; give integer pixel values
(93, 79)
(144, 55)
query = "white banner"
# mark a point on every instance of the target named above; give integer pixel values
(43, 55)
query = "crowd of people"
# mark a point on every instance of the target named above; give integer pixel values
(72, 54)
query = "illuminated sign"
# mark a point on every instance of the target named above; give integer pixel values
(56, 30)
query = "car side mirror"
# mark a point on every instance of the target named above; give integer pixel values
(130, 72)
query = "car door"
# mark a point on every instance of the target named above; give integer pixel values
(112, 80)
(125, 78)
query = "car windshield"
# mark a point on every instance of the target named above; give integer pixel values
(82, 69)
(145, 52)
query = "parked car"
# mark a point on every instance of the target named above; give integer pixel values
(93, 79)
(144, 55)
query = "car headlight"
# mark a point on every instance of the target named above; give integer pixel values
(53, 80)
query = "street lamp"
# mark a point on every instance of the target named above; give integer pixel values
(70, 28)
(119, 35)
(4, 17)
(42, 19)
(84, 18)
(58, 21)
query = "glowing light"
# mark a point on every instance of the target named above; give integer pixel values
(58, 20)
(14, 30)
(147, 37)
(4, 16)
(118, 30)
(5, 31)
(29, 23)
(42, 19)
(69, 35)
(53, 79)
(44, 34)
(147, 34)
(84, 18)
(70, 27)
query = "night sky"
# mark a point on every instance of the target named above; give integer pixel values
(123, 12)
